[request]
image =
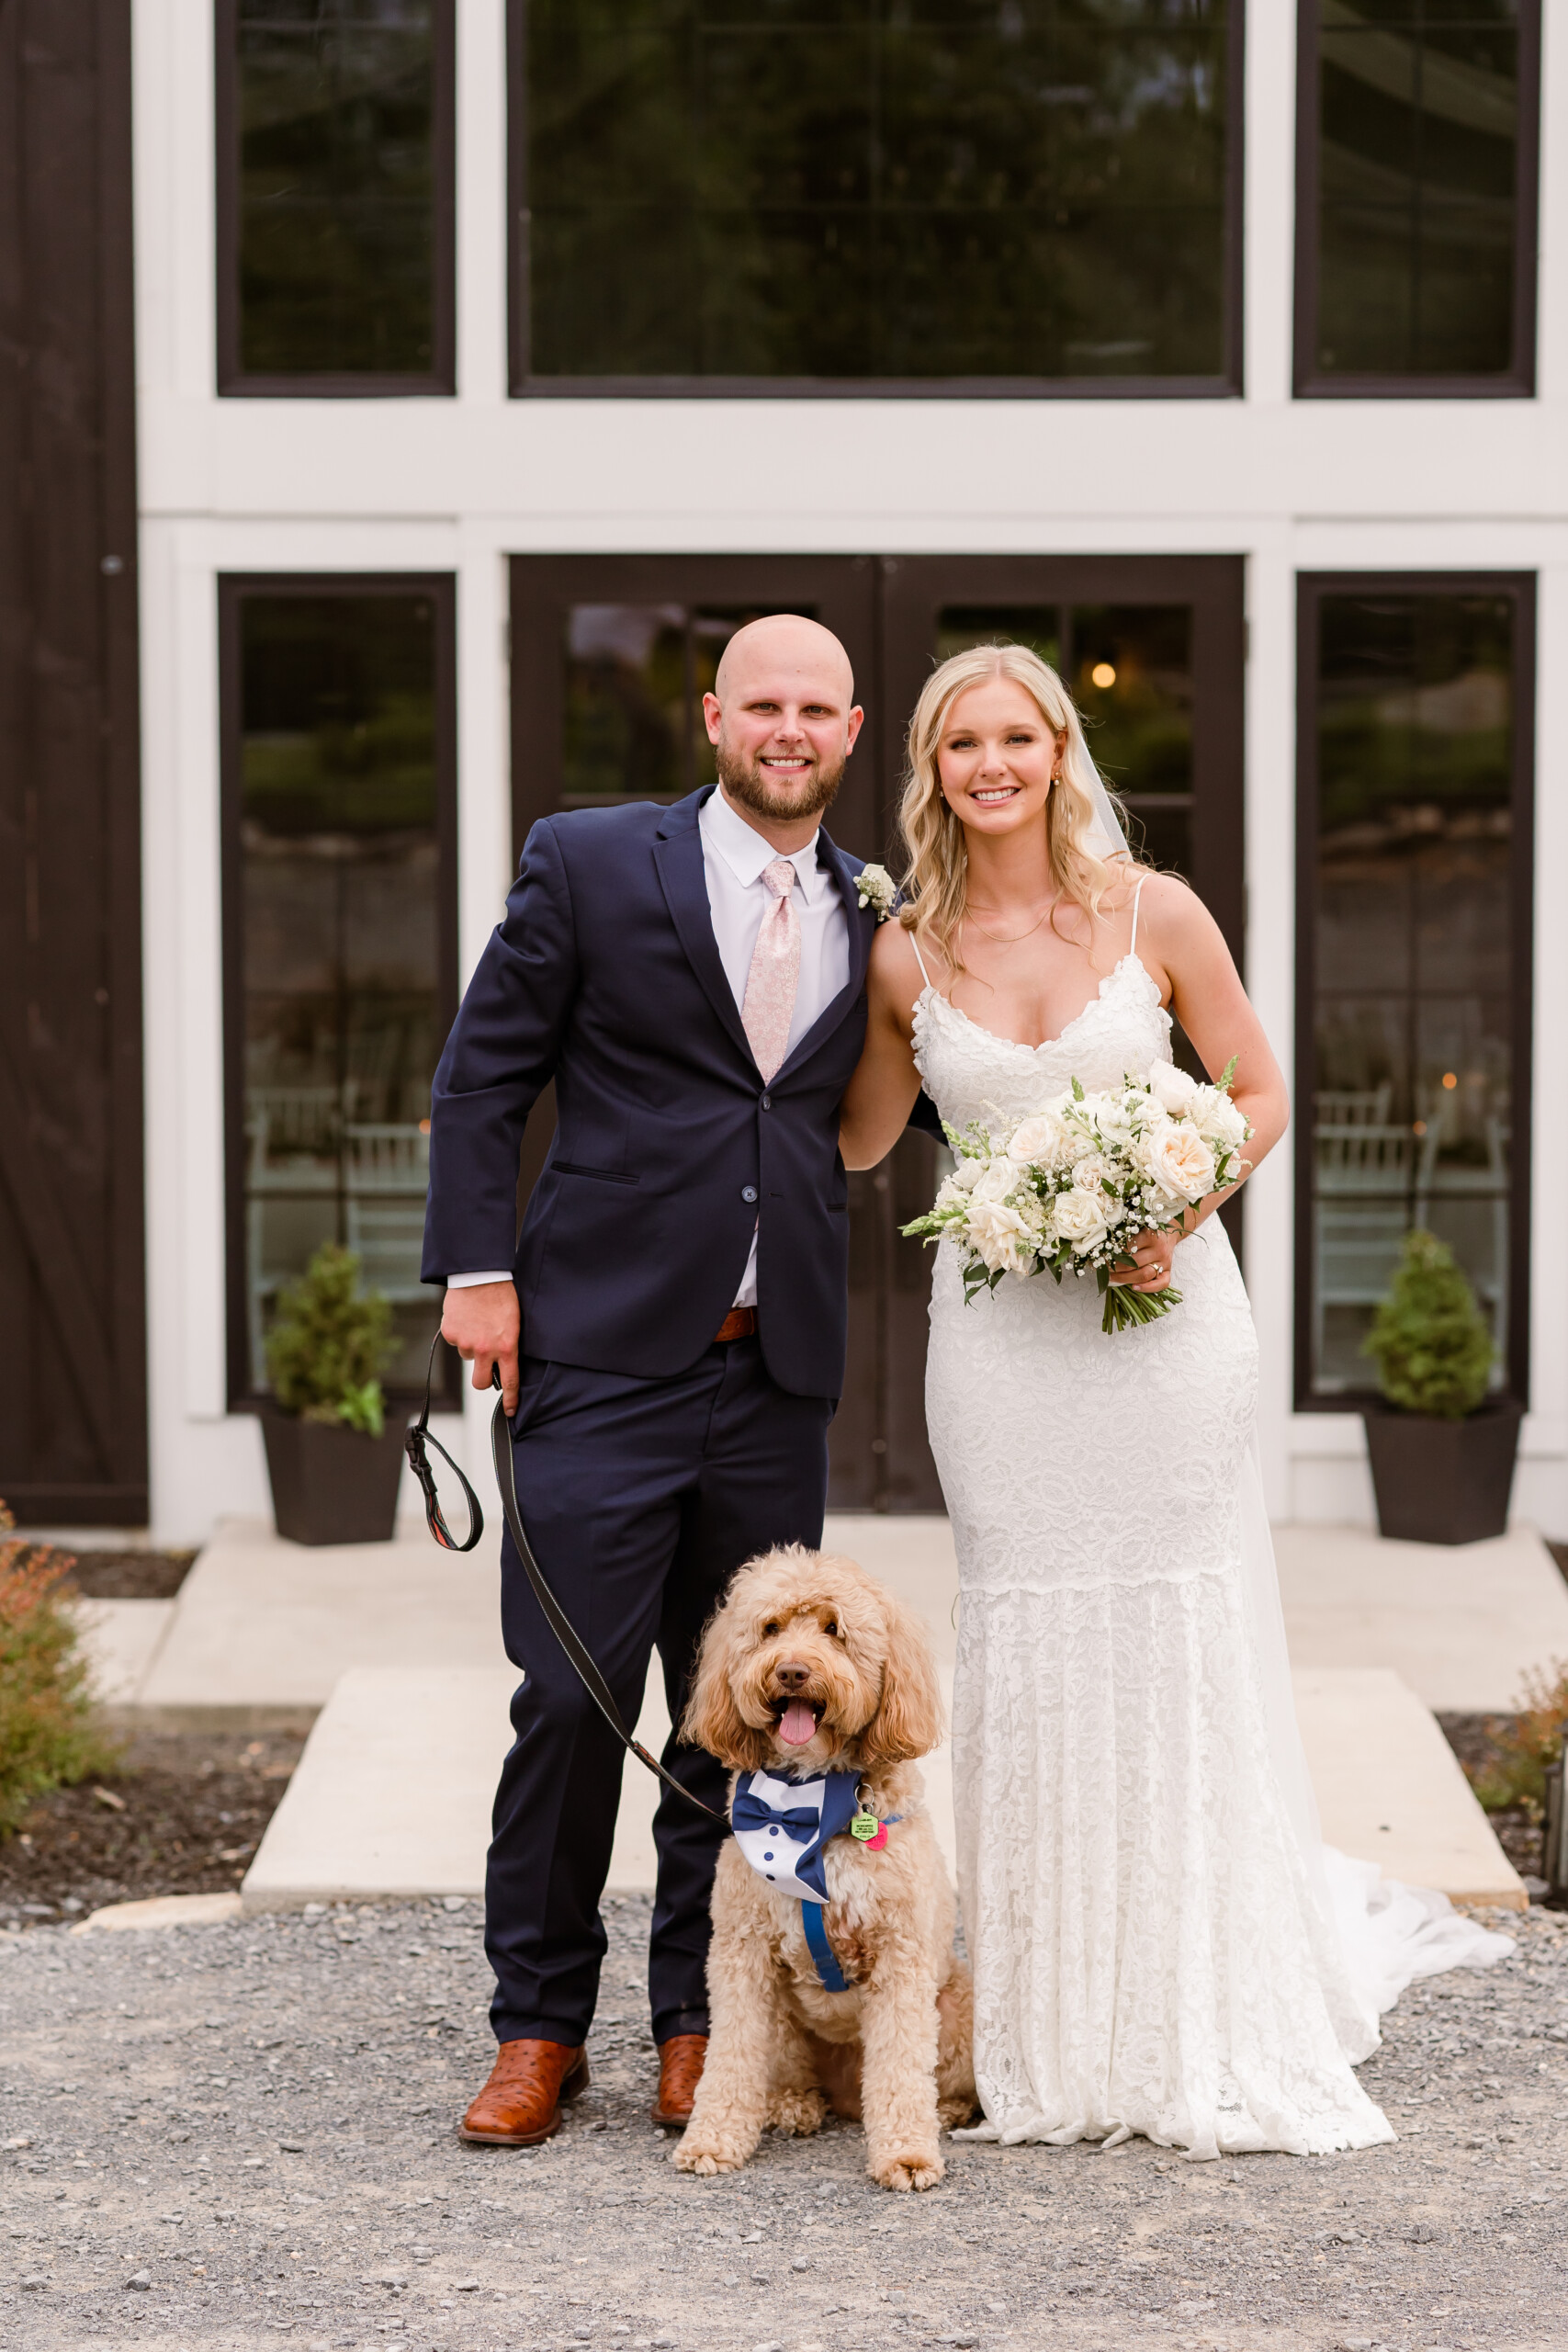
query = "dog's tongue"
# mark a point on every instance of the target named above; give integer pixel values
(797, 1724)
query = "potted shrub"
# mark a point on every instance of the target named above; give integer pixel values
(1442, 1448)
(333, 1462)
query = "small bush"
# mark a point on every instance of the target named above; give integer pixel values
(329, 1343)
(1428, 1337)
(1525, 1746)
(48, 1736)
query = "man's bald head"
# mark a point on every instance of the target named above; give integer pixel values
(788, 643)
(783, 721)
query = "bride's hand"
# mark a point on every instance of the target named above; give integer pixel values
(1153, 1253)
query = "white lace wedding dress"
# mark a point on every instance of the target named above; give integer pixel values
(1160, 1943)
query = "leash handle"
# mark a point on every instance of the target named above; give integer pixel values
(560, 1624)
(416, 1438)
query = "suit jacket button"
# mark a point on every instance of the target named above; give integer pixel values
(748, 1193)
(767, 1102)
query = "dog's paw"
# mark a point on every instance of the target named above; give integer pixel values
(798, 2111)
(910, 2170)
(954, 2113)
(705, 2157)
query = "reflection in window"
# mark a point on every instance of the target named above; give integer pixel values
(1129, 668)
(789, 188)
(636, 676)
(1418, 193)
(1411, 1077)
(339, 904)
(335, 118)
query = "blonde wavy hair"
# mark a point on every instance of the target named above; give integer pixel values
(935, 880)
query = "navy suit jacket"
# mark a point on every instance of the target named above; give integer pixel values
(606, 977)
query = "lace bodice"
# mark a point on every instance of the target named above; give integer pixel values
(970, 1073)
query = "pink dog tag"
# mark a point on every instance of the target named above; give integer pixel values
(874, 1845)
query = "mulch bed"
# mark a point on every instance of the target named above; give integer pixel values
(1473, 1739)
(182, 1814)
(128, 1576)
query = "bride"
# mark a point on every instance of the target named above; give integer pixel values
(1160, 1942)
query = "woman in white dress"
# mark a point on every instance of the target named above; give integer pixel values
(1160, 1943)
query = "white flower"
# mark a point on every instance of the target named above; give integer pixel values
(1039, 1141)
(1173, 1089)
(1219, 1121)
(998, 1234)
(949, 1196)
(966, 1175)
(995, 1180)
(1093, 1171)
(1079, 1219)
(878, 889)
(1178, 1159)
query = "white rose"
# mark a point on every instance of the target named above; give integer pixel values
(1091, 1170)
(1173, 1089)
(1079, 1219)
(967, 1174)
(997, 1179)
(1180, 1159)
(1220, 1123)
(1037, 1141)
(998, 1233)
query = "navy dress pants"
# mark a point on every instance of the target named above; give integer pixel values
(641, 1499)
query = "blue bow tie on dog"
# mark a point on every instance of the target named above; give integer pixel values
(782, 1827)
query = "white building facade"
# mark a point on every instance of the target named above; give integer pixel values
(1078, 502)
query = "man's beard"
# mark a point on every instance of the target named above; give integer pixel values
(744, 781)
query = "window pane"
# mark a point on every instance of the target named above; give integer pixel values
(636, 676)
(335, 109)
(857, 187)
(1412, 1022)
(340, 910)
(1418, 203)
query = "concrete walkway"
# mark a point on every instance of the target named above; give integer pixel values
(398, 1644)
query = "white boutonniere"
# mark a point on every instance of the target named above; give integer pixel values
(878, 889)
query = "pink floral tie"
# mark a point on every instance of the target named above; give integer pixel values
(775, 974)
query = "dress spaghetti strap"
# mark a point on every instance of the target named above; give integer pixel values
(920, 959)
(1133, 942)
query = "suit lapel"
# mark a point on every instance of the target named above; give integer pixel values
(862, 930)
(678, 860)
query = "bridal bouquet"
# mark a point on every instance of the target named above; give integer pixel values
(1069, 1189)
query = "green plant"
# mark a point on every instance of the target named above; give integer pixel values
(329, 1343)
(1524, 1745)
(48, 1736)
(1429, 1338)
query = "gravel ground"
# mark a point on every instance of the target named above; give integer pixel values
(213, 2136)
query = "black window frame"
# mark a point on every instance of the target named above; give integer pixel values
(1312, 588)
(440, 379)
(233, 589)
(1517, 381)
(1228, 384)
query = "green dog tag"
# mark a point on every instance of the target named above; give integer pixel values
(864, 1825)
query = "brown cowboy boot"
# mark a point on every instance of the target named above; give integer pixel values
(681, 2060)
(520, 2103)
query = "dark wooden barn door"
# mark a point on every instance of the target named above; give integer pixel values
(73, 1403)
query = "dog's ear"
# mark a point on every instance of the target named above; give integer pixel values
(907, 1722)
(712, 1720)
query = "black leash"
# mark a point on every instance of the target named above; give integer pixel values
(418, 1438)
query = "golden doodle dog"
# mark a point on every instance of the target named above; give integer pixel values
(817, 1687)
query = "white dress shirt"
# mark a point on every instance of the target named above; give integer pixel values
(734, 855)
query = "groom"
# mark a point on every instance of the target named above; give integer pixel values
(671, 1325)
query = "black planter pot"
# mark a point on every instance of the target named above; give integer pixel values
(1443, 1482)
(332, 1485)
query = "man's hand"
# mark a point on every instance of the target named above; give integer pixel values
(483, 1324)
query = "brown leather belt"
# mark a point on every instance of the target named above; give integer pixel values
(740, 1323)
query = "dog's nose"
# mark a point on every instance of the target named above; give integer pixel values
(790, 1675)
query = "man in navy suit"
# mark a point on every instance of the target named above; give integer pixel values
(671, 1325)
